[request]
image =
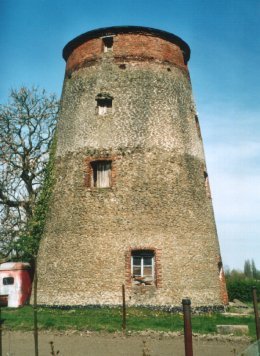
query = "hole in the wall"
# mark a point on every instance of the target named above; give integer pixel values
(122, 66)
(198, 126)
(169, 69)
(108, 43)
(207, 187)
(220, 265)
(220, 270)
(104, 104)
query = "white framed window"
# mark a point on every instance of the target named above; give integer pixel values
(143, 267)
(101, 173)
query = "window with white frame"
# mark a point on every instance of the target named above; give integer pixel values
(101, 173)
(143, 267)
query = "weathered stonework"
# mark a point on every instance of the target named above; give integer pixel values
(159, 196)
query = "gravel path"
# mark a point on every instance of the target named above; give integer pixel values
(143, 344)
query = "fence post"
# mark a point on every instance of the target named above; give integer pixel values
(1, 322)
(123, 309)
(35, 316)
(257, 322)
(187, 327)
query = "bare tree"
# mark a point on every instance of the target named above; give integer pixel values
(27, 125)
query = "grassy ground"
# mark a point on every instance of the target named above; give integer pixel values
(110, 320)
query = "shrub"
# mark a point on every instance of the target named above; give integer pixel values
(241, 289)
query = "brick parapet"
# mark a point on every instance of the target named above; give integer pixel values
(127, 47)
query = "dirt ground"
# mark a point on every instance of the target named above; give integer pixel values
(143, 344)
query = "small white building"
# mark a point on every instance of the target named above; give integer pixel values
(15, 284)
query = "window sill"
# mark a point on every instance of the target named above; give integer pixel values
(95, 189)
(146, 285)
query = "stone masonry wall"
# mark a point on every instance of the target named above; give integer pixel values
(158, 199)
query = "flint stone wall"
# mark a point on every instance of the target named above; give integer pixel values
(158, 198)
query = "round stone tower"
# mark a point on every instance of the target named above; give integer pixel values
(131, 201)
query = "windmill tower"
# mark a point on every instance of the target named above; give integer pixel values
(131, 202)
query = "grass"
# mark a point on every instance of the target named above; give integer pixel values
(110, 320)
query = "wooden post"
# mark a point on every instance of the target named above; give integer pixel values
(187, 327)
(1, 348)
(123, 309)
(257, 322)
(35, 316)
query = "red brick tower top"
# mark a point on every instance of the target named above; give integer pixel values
(128, 43)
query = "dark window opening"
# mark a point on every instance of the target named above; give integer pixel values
(8, 280)
(220, 266)
(104, 104)
(101, 174)
(108, 43)
(206, 179)
(122, 66)
(198, 126)
(143, 267)
(220, 270)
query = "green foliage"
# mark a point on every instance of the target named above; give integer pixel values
(248, 269)
(28, 244)
(110, 320)
(239, 284)
(241, 288)
(255, 271)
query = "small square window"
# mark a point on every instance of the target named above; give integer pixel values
(108, 43)
(8, 280)
(104, 104)
(101, 174)
(142, 267)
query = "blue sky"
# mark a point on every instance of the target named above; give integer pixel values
(224, 36)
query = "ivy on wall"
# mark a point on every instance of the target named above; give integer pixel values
(29, 243)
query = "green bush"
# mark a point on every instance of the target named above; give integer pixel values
(241, 289)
